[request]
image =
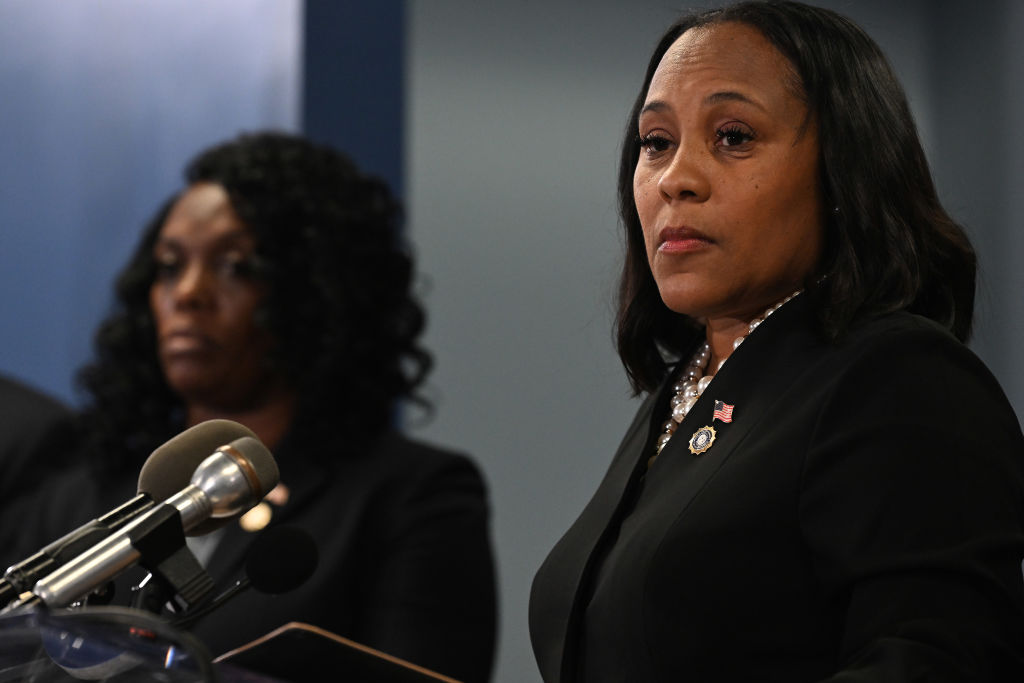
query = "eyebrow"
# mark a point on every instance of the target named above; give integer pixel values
(713, 98)
(227, 239)
(730, 96)
(655, 106)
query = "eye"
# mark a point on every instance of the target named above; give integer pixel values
(734, 135)
(238, 265)
(652, 143)
(167, 266)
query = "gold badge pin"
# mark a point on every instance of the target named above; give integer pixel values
(702, 440)
(259, 517)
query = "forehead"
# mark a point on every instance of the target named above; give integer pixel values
(203, 212)
(726, 56)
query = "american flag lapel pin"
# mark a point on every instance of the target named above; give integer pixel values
(723, 411)
(702, 439)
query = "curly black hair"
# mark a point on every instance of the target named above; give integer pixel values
(339, 303)
(889, 244)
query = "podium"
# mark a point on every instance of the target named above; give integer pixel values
(302, 652)
(123, 645)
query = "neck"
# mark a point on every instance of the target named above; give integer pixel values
(270, 420)
(724, 334)
(721, 334)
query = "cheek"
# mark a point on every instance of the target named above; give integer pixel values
(157, 303)
(642, 198)
(244, 310)
(641, 186)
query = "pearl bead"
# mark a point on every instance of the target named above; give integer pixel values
(703, 384)
(662, 440)
(736, 342)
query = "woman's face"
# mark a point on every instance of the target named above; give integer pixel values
(726, 185)
(204, 298)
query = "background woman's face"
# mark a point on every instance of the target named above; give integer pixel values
(727, 183)
(204, 298)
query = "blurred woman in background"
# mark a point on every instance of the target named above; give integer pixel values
(274, 290)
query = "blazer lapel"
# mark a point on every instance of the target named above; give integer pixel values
(557, 612)
(753, 378)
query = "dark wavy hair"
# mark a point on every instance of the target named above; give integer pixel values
(889, 245)
(339, 305)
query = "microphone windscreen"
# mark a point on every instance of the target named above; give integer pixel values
(281, 559)
(170, 467)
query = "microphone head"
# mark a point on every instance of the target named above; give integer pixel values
(234, 478)
(258, 464)
(281, 559)
(170, 467)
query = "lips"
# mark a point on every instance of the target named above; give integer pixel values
(186, 342)
(682, 240)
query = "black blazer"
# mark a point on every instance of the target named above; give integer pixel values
(405, 562)
(35, 431)
(405, 559)
(861, 518)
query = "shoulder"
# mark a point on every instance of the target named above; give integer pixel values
(418, 464)
(900, 391)
(900, 329)
(908, 355)
(395, 471)
(36, 436)
(395, 451)
(897, 387)
(399, 494)
(24, 406)
(395, 446)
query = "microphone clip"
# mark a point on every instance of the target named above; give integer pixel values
(160, 540)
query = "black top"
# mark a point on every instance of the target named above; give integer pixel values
(861, 518)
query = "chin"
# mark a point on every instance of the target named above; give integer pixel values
(190, 385)
(686, 302)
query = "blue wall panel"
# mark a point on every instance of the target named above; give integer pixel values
(103, 102)
(354, 85)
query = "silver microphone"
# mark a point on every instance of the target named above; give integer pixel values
(226, 484)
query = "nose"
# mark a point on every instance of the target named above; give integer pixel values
(685, 177)
(193, 289)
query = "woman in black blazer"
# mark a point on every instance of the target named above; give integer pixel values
(824, 483)
(274, 290)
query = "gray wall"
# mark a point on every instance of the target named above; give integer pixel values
(513, 122)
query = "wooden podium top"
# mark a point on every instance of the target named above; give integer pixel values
(300, 652)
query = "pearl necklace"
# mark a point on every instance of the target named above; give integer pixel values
(692, 382)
